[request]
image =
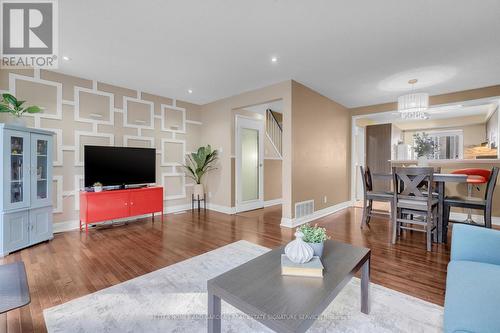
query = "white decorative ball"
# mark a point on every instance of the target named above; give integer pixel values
(299, 251)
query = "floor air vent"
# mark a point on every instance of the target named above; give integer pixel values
(304, 208)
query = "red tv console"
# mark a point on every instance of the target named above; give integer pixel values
(109, 205)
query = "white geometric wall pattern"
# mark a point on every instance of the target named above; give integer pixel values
(174, 185)
(57, 193)
(46, 94)
(79, 185)
(173, 119)
(173, 152)
(138, 113)
(58, 146)
(88, 114)
(138, 141)
(94, 106)
(90, 138)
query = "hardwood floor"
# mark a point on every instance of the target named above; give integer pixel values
(73, 265)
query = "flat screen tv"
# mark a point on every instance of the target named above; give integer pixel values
(114, 166)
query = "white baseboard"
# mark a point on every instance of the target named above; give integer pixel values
(292, 223)
(65, 226)
(75, 224)
(495, 220)
(221, 209)
(274, 202)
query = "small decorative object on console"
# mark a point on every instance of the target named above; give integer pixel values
(97, 187)
(315, 237)
(298, 251)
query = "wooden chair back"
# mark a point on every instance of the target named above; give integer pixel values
(366, 177)
(408, 183)
(490, 186)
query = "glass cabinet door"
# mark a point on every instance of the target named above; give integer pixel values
(16, 173)
(41, 159)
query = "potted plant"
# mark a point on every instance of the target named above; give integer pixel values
(97, 187)
(314, 236)
(10, 104)
(423, 147)
(198, 164)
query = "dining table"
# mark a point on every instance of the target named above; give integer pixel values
(440, 179)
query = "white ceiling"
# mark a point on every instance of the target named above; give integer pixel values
(357, 52)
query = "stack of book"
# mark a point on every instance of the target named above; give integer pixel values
(312, 268)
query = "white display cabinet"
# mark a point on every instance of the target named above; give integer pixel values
(26, 199)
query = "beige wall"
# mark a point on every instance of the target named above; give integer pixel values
(218, 130)
(320, 143)
(101, 108)
(272, 179)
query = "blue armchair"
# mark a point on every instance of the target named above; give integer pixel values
(472, 301)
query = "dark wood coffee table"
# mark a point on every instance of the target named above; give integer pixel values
(288, 303)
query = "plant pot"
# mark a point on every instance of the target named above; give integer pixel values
(422, 161)
(97, 188)
(17, 121)
(318, 248)
(198, 191)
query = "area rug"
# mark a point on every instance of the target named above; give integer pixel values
(174, 299)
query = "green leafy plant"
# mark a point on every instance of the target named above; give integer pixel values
(313, 234)
(424, 145)
(201, 162)
(11, 105)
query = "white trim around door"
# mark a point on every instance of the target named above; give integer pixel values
(242, 122)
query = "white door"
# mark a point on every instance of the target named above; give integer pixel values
(249, 164)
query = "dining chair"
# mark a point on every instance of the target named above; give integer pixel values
(410, 201)
(485, 205)
(369, 196)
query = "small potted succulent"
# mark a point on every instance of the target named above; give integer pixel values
(97, 187)
(10, 104)
(314, 236)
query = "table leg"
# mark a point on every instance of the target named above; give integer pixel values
(3, 323)
(440, 222)
(214, 313)
(365, 287)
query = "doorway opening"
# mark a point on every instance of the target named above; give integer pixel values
(257, 167)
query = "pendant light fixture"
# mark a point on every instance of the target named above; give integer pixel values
(413, 105)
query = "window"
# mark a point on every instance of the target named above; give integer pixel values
(448, 144)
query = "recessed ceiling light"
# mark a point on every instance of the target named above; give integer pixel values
(66, 58)
(274, 59)
(190, 91)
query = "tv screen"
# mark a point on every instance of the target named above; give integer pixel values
(113, 166)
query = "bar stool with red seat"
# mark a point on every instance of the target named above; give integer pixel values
(485, 205)
(475, 177)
